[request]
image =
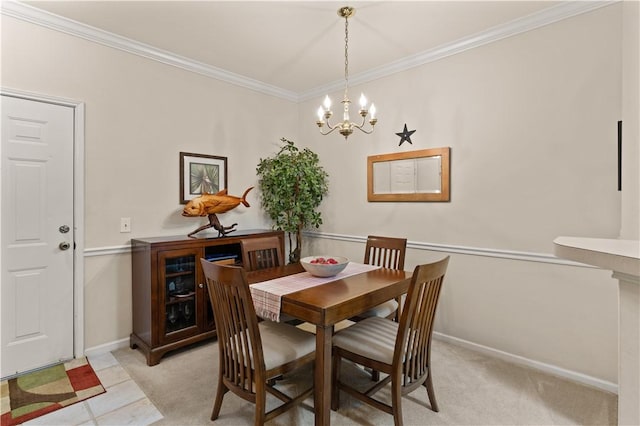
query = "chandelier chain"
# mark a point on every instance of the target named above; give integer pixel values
(346, 56)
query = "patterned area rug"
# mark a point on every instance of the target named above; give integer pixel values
(40, 392)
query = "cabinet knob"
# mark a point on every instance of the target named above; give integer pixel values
(201, 285)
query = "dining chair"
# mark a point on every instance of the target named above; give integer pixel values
(402, 350)
(387, 252)
(261, 253)
(252, 353)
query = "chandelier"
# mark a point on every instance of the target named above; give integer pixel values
(345, 128)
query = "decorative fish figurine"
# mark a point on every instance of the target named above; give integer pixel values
(210, 204)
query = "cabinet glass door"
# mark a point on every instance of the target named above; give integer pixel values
(179, 292)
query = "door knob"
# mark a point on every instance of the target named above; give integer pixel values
(201, 285)
(63, 229)
(64, 245)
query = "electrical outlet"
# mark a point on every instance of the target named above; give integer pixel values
(125, 224)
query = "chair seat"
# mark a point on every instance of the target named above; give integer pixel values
(283, 343)
(383, 310)
(373, 338)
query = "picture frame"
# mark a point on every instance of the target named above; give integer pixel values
(200, 173)
(409, 176)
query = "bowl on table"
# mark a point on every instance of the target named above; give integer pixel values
(324, 266)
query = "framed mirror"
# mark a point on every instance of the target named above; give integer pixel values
(409, 176)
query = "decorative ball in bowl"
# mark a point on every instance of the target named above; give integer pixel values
(324, 266)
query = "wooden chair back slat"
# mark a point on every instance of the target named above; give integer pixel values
(387, 252)
(242, 360)
(261, 253)
(413, 343)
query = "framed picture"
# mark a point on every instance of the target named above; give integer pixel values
(201, 173)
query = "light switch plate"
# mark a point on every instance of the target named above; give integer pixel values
(125, 224)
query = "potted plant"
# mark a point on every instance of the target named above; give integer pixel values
(292, 184)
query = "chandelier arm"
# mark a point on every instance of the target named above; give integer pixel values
(326, 121)
(329, 126)
(330, 131)
(362, 129)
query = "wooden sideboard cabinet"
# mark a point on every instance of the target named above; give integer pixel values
(171, 306)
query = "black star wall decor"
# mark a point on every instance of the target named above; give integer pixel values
(405, 135)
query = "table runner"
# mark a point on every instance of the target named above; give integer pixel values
(267, 295)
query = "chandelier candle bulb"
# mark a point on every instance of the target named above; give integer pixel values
(363, 101)
(327, 102)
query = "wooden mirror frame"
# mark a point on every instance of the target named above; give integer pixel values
(443, 195)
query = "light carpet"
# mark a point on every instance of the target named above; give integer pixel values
(471, 389)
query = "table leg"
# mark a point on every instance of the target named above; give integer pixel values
(322, 397)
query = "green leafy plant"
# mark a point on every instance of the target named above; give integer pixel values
(292, 184)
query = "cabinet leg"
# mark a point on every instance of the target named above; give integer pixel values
(153, 358)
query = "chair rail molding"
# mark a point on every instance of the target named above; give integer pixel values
(471, 251)
(418, 245)
(106, 251)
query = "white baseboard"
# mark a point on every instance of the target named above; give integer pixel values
(506, 356)
(536, 365)
(107, 347)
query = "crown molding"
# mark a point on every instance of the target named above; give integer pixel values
(544, 17)
(68, 26)
(517, 26)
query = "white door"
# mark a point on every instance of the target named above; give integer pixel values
(37, 234)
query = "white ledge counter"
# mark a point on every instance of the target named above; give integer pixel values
(623, 258)
(616, 255)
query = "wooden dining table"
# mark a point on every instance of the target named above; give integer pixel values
(327, 304)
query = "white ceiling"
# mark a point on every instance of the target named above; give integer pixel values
(294, 45)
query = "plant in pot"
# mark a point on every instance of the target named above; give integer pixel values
(292, 184)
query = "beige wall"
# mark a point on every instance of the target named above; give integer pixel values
(530, 120)
(139, 115)
(630, 129)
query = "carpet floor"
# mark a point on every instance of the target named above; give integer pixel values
(471, 389)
